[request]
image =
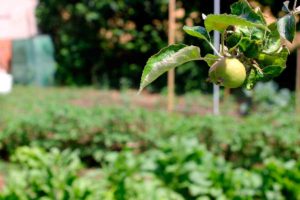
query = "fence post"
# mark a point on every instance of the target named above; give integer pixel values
(171, 40)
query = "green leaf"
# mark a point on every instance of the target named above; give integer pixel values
(252, 78)
(287, 27)
(222, 22)
(253, 32)
(273, 71)
(273, 42)
(233, 39)
(197, 190)
(278, 59)
(197, 31)
(272, 66)
(168, 58)
(210, 59)
(250, 48)
(200, 179)
(243, 9)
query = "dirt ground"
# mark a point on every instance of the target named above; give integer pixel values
(189, 105)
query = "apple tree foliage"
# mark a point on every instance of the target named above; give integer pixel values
(245, 35)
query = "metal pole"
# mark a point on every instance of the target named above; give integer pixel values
(171, 40)
(216, 95)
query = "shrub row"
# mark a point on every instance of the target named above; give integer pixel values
(95, 131)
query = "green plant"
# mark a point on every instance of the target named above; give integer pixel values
(182, 168)
(129, 176)
(280, 180)
(42, 175)
(245, 36)
(52, 119)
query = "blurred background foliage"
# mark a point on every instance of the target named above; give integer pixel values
(106, 43)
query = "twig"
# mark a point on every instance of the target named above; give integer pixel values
(214, 59)
(223, 43)
(256, 66)
(215, 50)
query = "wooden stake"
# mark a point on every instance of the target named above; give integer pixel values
(171, 36)
(226, 94)
(298, 83)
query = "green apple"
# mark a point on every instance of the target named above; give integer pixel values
(228, 72)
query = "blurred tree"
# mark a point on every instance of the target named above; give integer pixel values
(101, 41)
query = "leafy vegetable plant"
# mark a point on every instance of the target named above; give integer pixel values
(250, 50)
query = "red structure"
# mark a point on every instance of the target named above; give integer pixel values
(5, 55)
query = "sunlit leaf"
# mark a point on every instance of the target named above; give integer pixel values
(222, 22)
(272, 42)
(273, 65)
(253, 33)
(278, 59)
(210, 59)
(168, 58)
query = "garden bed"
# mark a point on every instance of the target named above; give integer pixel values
(142, 149)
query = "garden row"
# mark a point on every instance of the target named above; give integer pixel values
(98, 130)
(180, 169)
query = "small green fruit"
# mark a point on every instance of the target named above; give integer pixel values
(228, 72)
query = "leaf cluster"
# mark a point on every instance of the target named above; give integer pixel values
(245, 36)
